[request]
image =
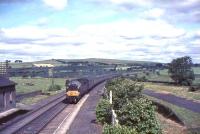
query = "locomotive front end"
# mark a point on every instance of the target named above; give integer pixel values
(73, 91)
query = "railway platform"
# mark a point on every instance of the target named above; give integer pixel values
(85, 121)
(8, 112)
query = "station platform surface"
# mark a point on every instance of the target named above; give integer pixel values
(85, 121)
(8, 112)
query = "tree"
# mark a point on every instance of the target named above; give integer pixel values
(18, 61)
(180, 70)
(159, 65)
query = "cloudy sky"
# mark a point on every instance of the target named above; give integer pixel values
(150, 30)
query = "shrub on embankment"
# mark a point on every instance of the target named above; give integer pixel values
(54, 87)
(109, 129)
(133, 109)
(140, 114)
(194, 88)
(103, 112)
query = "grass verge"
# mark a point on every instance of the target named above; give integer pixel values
(33, 100)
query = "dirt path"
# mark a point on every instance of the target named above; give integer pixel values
(178, 101)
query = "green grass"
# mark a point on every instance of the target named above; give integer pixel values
(196, 70)
(191, 119)
(38, 84)
(21, 65)
(33, 100)
(164, 76)
(176, 90)
(196, 81)
(164, 72)
(154, 77)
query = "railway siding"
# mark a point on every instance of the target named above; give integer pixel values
(52, 126)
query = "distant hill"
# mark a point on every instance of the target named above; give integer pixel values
(64, 62)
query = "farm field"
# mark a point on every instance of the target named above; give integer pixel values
(23, 84)
(164, 76)
(196, 70)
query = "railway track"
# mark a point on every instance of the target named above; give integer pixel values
(54, 124)
(40, 122)
(35, 120)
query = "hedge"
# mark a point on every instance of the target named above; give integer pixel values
(103, 111)
(109, 129)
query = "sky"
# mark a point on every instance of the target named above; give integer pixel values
(142, 30)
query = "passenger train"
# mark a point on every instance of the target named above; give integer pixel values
(77, 88)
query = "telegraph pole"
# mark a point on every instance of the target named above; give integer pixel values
(51, 75)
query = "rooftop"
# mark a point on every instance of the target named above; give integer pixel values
(5, 82)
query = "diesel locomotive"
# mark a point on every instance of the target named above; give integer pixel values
(78, 87)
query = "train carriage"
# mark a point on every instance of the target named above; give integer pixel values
(79, 87)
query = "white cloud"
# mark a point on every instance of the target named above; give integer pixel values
(27, 32)
(42, 21)
(33, 32)
(135, 2)
(56, 4)
(136, 40)
(189, 2)
(154, 13)
(134, 29)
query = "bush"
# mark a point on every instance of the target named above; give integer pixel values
(194, 88)
(147, 73)
(123, 90)
(132, 108)
(142, 79)
(157, 72)
(186, 82)
(109, 129)
(139, 113)
(54, 88)
(103, 111)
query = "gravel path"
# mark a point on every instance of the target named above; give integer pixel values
(178, 101)
(85, 121)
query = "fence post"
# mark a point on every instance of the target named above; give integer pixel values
(110, 97)
(114, 115)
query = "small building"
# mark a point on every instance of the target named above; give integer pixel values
(122, 68)
(43, 65)
(7, 94)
